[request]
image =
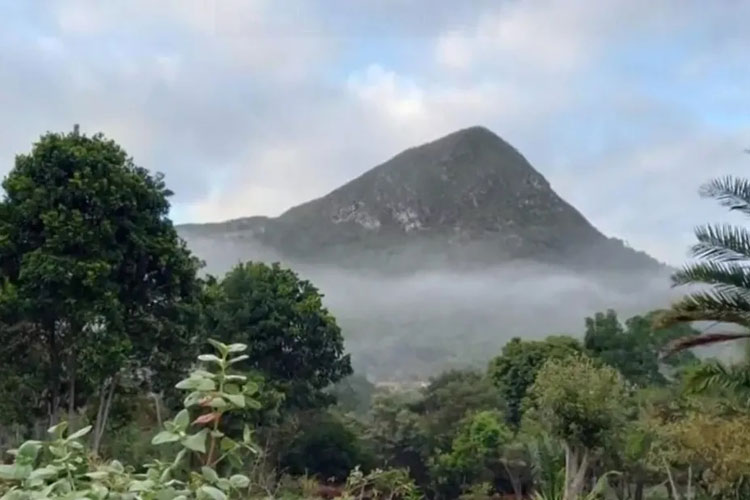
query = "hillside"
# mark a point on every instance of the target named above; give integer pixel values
(426, 256)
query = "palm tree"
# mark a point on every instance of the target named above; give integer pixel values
(723, 266)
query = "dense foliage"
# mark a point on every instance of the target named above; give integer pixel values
(102, 315)
(293, 340)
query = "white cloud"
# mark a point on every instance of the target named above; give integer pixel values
(251, 106)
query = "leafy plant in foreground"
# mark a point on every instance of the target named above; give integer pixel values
(61, 468)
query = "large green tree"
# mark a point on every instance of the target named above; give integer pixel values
(515, 370)
(92, 268)
(635, 348)
(447, 400)
(292, 339)
(580, 402)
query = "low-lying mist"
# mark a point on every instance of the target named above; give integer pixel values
(415, 325)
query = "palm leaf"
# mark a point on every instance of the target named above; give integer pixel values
(722, 243)
(728, 277)
(702, 340)
(732, 192)
(715, 375)
(713, 305)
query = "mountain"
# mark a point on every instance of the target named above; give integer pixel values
(435, 258)
(468, 199)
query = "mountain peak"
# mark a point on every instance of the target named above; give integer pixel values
(468, 197)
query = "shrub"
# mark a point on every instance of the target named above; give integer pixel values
(62, 468)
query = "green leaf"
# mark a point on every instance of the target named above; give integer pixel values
(228, 444)
(165, 437)
(97, 475)
(192, 399)
(45, 472)
(210, 358)
(58, 451)
(235, 461)
(219, 346)
(212, 493)
(237, 347)
(224, 484)
(247, 435)
(196, 442)
(250, 388)
(58, 430)
(232, 389)
(237, 400)
(218, 403)
(79, 433)
(28, 452)
(146, 485)
(188, 383)
(197, 384)
(206, 384)
(239, 481)
(203, 374)
(235, 378)
(182, 420)
(209, 474)
(180, 455)
(253, 404)
(167, 494)
(10, 472)
(99, 490)
(243, 357)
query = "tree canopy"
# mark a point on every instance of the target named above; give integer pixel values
(579, 402)
(515, 370)
(636, 347)
(91, 266)
(292, 338)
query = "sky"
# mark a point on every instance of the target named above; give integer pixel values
(250, 107)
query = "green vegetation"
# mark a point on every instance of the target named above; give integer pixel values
(103, 316)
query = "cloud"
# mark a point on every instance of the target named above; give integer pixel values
(251, 106)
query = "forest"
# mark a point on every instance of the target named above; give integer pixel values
(127, 373)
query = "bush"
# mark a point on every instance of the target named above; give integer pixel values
(62, 467)
(326, 448)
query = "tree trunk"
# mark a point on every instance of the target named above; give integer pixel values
(515, 482)
(576, 467)
(72, 389)
(54, 373)
(672, 487)
(103, 414)
(638, 489)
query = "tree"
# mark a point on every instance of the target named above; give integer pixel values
(92, 268)
(515, 370)
(449, 398)
(326, 448)
(579, 402)
(292, 339)
(723, 253)
(634, 348)
(475, 455)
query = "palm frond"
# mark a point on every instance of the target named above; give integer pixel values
(732, 192)
(714, 305)
(715, 375)
(722, 242)
(727, 277)
(701, 340)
